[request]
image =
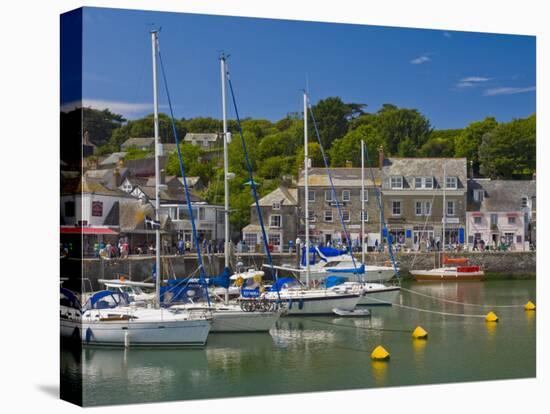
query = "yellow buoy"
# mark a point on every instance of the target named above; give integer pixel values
(380, 354)
(419, 333)
(491, 317)
(529, 306)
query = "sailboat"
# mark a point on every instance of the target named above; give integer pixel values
(453, 269)
(300, 298)
(226, 317)
(108, 319)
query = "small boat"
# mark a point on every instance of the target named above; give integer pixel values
(372, 294)
(352, 313)
(452, 273)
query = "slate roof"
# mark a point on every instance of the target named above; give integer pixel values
(113, 158)
(341, 177)
(285, 196)
(138, 143)
(500, 195)
(132, 217)
(79, 186)
(424, 167)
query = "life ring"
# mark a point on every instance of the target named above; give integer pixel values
(239, 281)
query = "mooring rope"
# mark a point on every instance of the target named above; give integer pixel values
(459, 303)
(464, 315)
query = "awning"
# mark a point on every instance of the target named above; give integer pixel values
(512, 214)
(477, 214)
(87, 230)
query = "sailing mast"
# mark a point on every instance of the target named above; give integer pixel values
(226, 138)
(362, 202)
(306, 188)
(158, 149)
(444, 210)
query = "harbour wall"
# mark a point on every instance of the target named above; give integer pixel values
(138, 268)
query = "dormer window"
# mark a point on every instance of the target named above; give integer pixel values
(276, 205)
(396, 182)
(424, 182)
(451, 183)
(478, 195)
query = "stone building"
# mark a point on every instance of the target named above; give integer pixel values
(412, 194)
(325, 224)
(501, 212)
(280, 215)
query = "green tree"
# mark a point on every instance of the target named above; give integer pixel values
(469, 141)
(314, 153)
(402, 130)
(509, 150)
(441, 143)
(348, 148)
(332, 116)
(100, 124)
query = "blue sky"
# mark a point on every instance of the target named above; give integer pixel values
(452, 77)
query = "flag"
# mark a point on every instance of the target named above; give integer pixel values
(150, 223)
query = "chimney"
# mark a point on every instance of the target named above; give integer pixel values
(117, 179)
(380, 156)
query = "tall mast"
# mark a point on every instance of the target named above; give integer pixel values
(362, 202)
(225, 169)
(444, 205)
(154, 41)
(306, 187)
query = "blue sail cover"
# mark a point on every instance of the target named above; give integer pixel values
(183, 289)
(69, 299)
(105, 299)
(281, 282)
(312, 256)
(331, 251)
(334, 281)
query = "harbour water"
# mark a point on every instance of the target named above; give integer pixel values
(306, 354)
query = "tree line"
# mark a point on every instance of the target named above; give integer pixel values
(495, 150)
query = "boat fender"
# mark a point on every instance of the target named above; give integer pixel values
(419, 333)
(89, 335)
(530, 306)
(380, 354)
(301, 304)
(491, 317)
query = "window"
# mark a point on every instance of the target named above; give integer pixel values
(311, 196)
(365, 216)
(69, 208)
(423, 208)
(451, 183)
(275, 241)
(345, 195)
(276, 206)
(328, 216)
(477, 220)
(275, 221)
(427, 208)
(312, 216)
(396, 182)
(396, 208)
(450, 208)
(365, 195)
(518, 239)
(418, 208)
(511, 220)
(478, 196)
(524, 202)
(346, 215)
(328, 195)
(494, 219)
(251, 239)
(202, 214)
(424, 182)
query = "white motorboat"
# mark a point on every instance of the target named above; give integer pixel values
(451, 273)
(372, 294)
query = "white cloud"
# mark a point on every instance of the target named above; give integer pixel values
(505, 90)
(419, 60)
(119, 107)
(475, 79)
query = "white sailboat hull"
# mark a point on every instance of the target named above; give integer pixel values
(378, 297)
(110, 330)
(321, 303)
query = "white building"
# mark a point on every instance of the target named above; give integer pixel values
(500, 212)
